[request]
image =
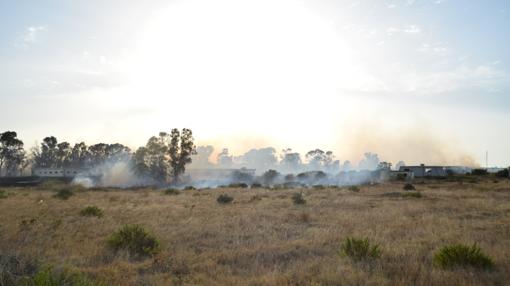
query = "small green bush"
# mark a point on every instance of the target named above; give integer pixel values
(49, 277)
(412, 195)
(256, 185)
(460, 255)
(91, 211)
(63, 194)
(298, 199)
(3, 194)
(409, 187)
(359, 249)
(172, 192)
(319, 187)
(224, 199)
(135, 239)
(353, 189)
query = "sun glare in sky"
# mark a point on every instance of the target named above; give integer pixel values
(422, 81)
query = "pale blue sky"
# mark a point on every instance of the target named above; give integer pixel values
(342, 75)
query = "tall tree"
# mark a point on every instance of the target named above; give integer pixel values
(12, 154)
(79, 155)
(46, 156)
(180, 149)
(290, 161)
(63, 155)
(152, 160)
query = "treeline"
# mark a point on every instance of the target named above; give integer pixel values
(162, 159)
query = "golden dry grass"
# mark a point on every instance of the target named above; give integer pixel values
(262, 238)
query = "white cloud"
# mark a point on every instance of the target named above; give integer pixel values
(485, 78)
(411, 30)
(436, 49)
(31, 36)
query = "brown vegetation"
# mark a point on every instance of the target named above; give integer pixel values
(262, 238)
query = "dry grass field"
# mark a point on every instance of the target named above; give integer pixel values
(262, 238)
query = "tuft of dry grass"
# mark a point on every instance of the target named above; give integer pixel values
(263, 238)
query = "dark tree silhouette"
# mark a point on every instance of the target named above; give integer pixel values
(46, 156)
(12, 154)
(180, 149)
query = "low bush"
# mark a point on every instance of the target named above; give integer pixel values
(359, 249)
(189, 188)
(256, 185)
(319, 187)
(49, 277)
(412, 195)
(3, 194)
(63, 194)
(135, 239)
(91, 211)
(503, 173)
(353, 189)
(460, 255)
(238, 185)
(224, 199)
(409, 187)
(479, 172)
(171, 192)
(14, 269)
(298, 199)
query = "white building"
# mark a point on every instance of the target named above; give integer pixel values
(57, 172)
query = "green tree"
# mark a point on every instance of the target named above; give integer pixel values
(12, 154)
(165, 156)
(152, 160)
(180, 149)
(46, 156)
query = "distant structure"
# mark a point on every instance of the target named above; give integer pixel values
(57, 172)
(425, 171)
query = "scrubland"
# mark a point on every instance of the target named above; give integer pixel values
(262, 237)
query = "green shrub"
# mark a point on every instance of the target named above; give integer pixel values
(256, 185)
(479, 172)
(359, 249)
(353, 189)
(409, 187)
(460, 255)
(63, 194)
(189, 188)
(171, 192)
(412, 195)
(298, 199)
(3, 194)
(91, 211)
(503, 173)
(224, 199)
(238, 185)
(319, 187)
(49, 277)
(135, 239)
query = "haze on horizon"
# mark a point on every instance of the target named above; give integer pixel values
(420, 81)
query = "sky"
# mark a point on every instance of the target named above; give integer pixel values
(420, 81)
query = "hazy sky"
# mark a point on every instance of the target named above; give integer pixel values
(423, 81)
